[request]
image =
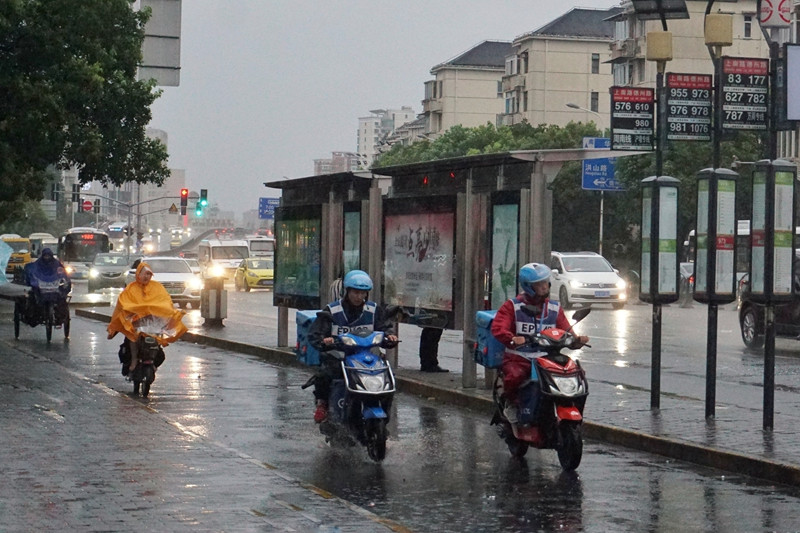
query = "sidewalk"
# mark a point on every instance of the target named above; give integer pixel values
(734, 441)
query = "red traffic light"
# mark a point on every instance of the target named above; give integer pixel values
(184, 193)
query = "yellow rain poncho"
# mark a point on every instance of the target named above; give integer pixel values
(146, 302)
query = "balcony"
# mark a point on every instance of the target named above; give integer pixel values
(508, 119)
(626, 49)
(513, 82)
(431, 105)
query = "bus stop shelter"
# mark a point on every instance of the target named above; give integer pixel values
(442, 239)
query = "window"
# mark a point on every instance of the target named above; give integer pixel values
(595, 63)
(499, 89)
(595, 105)
(511, 65)
(525, 101)
(524, 66)
(748, 26)
(622, 74)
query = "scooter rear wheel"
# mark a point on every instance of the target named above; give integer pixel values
(571, 449)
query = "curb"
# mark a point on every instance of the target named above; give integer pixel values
(689, 452)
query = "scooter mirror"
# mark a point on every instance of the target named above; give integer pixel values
(580, 314)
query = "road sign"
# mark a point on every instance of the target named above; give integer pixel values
(173, 209)
(87, 205)
(744, 93)
(598, 174)
(266, 207)
(688, 107)
(770, 17)
(632, 118)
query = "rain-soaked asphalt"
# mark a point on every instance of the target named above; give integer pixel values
(446, 470)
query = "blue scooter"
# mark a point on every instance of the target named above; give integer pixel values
(360, 402)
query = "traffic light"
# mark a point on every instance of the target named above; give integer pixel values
(203, 197)
(198, 210)
(184, 200)
(97, 206)
(76, 192)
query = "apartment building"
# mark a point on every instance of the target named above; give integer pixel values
(466, 90)
(561, 72)
(690, 54)
(374, 131)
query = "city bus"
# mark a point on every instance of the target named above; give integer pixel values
(77, 248)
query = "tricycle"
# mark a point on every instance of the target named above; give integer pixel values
(44, 302)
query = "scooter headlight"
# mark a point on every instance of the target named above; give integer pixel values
(568, 386)
(377, 339)
(372, 383)
(348, 341)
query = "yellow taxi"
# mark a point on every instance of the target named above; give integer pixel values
(254, 273)
(20, 255)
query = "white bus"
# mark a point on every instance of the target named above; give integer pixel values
(261, 246)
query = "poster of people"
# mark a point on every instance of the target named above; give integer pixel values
(419, 260)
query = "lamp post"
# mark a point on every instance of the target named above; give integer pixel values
(602, 130)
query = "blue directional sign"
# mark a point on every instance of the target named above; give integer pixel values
(266, 207)
(598, 174)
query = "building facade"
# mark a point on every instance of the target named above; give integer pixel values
(560, 72)
(375, 131)
(467, 89)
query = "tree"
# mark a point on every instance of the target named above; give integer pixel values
(69, 95)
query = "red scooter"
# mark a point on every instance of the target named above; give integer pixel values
(551, 401)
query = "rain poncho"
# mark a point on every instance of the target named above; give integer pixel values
(146, 307)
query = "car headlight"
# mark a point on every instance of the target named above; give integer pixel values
(70, 269)
(93, 273)
(195, 284)
(575, 284)
(216, 271)
(621, 284)
(252, 274)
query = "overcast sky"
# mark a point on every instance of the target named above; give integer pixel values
(267, 86)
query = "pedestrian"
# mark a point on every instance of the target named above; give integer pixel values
(351, 313)
(511, 323)
(429, 350)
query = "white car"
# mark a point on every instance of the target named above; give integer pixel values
(175, 274)
(585, 278)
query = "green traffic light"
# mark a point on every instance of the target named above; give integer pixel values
(198, 211)
(204, 197)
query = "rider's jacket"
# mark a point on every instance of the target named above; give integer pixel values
(361, 325)
(528, 325)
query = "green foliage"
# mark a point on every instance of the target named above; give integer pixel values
(576, 213)
(69, 95)
(459, 141)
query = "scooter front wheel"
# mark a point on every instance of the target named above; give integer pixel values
(149, 375)
(376, 439)
(570, 450)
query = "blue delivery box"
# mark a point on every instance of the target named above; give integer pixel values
(488, 351)
(306, 353)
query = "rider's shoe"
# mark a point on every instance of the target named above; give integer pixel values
(321, 413)
(511, 413)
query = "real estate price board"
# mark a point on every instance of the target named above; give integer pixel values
(744, 93)
(688, 107)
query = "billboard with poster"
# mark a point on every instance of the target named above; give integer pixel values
(419, 250)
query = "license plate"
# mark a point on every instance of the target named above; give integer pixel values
(601, 294)
(174, 291)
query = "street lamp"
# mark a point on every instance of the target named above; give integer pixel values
(576, 106)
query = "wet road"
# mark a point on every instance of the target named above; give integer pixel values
(446, 470)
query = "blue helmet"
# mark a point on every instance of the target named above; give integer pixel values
(532, 273)
(357, 279)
